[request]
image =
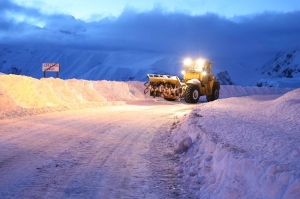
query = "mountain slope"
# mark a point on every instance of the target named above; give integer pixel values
(86, 64)
(103, 64)
(283, 70)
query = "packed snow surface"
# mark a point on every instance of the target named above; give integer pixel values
(244, 145)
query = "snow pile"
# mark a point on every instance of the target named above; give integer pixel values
(239, 91)
(21, 95)
(242, 147)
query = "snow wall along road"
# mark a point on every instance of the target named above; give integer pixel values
(22, 95)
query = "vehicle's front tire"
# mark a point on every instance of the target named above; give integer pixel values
(192, 94)
(214, 96)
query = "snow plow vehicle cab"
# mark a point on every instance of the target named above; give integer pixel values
(197, 81)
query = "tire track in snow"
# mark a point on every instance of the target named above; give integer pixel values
(105, 152)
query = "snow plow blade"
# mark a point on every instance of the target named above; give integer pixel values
(166, 86)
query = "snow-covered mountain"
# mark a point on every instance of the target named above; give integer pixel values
(283, 70)
(86, 64)
(224, 78)
(102, 64)
(94, 64)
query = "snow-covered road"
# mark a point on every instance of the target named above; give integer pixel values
(105, 152)
(105, 139)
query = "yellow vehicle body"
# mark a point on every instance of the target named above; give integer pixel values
(197, 81)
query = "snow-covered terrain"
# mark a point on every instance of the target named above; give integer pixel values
(21, 95)
(224, 78)
(244, 145)
(281, 71)
(94, 64)
(128, 46)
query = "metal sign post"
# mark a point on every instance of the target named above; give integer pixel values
(51, 67)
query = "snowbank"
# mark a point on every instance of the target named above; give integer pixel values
(22, 95)
(242, 147)
(239, 91)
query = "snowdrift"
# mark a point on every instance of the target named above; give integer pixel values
(239, 91)
(242, 147)
(22, 95)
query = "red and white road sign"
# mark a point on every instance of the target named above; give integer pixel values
(51, 67)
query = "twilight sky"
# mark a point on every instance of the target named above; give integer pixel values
(90, 10)
(245, 33)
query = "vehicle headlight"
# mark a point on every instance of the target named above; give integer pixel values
(187, 62)
(199, 65)
(200, 62)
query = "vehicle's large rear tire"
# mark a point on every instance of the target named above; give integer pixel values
(192, 94)
(214, 96)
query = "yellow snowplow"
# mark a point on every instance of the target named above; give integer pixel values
(197, 81)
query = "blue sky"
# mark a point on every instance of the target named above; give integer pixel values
(90, 10)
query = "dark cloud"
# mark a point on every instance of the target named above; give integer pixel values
(10, 6)
(7, 5)
(208, 34)
(8, 24)
(248, 39)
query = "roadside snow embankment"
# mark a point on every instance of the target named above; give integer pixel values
(242, 147)
(22, 95)
(239, 91)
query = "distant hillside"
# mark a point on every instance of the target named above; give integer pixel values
(86, 64)
(283, 70)
(224, 78)
(92, 64)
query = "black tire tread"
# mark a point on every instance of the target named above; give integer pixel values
(212, 97)
(189, 94)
